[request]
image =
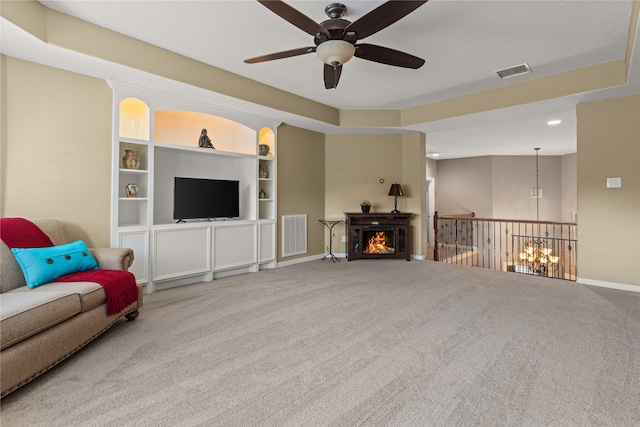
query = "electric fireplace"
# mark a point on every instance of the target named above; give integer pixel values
(377, 235)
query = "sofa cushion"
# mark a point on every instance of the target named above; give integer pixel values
(11, 276)
(42, 265)
(25, 314)
(91, 294)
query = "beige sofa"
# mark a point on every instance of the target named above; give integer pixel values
(41, 327)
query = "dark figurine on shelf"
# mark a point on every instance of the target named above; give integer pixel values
(204, 141)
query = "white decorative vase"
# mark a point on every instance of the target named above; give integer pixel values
(131, 190)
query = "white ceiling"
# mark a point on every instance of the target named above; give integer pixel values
(464, 42)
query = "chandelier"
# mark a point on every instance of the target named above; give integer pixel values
(536, 258)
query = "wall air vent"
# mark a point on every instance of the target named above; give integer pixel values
(518, 70)
(294, 235)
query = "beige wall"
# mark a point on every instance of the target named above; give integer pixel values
(513, 178)
(301, 185)
(609, 219)
(500, 187)
(56, 148)
(356, 163)
(569, 186)
(56, 138)
(432, 168)
(70, 33)
(354, 166)
(67, 32)
(62, 123)
(414, 186)
(432, 197)
(465, 185)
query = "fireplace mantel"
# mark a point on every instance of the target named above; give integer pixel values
(365, 229)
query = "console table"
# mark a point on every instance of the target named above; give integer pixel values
(378, 235)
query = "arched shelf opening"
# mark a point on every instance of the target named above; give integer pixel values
(134, 119)
(267, 137)
(183, 128)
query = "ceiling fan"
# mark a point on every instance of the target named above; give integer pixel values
(336, 38)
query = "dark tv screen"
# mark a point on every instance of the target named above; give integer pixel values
(197, 198)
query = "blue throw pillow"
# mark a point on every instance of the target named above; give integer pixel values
(43, 265)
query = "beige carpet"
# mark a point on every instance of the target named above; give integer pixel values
(361, 343)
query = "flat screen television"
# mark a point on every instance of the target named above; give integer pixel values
(197, 198)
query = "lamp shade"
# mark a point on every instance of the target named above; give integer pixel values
(335, 52)
(395, 190)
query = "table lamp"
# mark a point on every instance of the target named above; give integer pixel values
(395, 191)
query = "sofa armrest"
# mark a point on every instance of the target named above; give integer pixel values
(113, 258)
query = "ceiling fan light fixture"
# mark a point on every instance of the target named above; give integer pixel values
(335, 52)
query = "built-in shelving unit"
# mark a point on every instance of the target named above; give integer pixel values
(133, 211)
(158, 134)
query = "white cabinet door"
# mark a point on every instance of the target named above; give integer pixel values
(139, 242)
(267, 242)
(180, 252)
(235, 246)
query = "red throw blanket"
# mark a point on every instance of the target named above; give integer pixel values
(119, 285)
(21, 233)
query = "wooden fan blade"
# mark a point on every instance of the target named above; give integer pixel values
(281, 55)
(332, 76)
(381, 17)
(295, 17)
(384, 55)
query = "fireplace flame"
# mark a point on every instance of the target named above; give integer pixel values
(378, 244)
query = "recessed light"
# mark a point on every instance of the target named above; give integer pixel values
(435, 154)
(554, 122)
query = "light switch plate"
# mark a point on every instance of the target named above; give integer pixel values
(614, 182)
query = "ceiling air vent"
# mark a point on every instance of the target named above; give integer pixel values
(518, 70)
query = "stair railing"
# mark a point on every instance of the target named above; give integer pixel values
(539, 248)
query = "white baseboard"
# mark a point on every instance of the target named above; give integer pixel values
(338, 255)
(580, 280)
(317, 257)
(611, 285)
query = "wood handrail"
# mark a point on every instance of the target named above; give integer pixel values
(462, 215)
(517, 221)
